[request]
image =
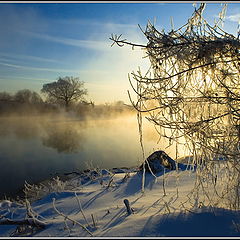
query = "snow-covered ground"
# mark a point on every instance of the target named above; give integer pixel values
(92, 204)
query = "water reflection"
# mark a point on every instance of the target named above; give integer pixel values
(21, 128)
(35, 148)
(65, 139)
(26, 131)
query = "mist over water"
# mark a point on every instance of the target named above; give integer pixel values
(33, 149)
(36, 148)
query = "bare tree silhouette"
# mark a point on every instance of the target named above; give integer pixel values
(66, 90)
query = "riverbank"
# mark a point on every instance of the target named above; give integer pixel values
(93, 204)
(20, 195)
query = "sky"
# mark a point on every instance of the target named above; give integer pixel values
(40, 42)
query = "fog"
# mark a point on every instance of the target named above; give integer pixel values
(38, 147)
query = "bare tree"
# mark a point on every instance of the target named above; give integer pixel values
(63, 139)
(66, 90)
(191, 92)
(27, 96)
(5, 96)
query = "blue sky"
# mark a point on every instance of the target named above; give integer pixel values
(40, 42)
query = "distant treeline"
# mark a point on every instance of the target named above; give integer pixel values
(27, 102)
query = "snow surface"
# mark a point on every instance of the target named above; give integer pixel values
(95, 200)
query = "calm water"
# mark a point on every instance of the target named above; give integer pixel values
(34, 149)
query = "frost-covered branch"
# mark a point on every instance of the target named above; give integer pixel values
(191, 92)
(70, 219)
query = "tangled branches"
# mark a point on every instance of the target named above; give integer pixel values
(191, 92)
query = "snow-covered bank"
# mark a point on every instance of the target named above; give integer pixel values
(92, 204)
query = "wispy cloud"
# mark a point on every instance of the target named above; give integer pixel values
(9, 56)
(234, 18)
(38, 69)
(98, 72)
(88, 22)
(90, 44)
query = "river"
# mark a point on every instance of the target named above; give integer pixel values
(33, 149)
